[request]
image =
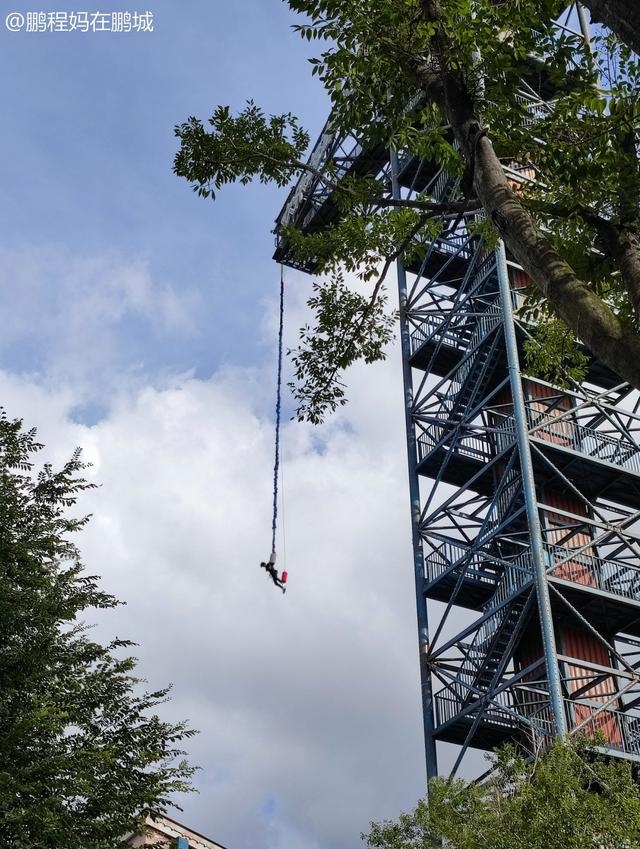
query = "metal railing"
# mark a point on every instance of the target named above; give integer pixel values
(455, 334)
(470, 446)
(610, 729)
(439, 186)
(505, 434)
(450, 557)
(620, 579)
(300, 193)
(448, 706)
(512, 582)
(565, 432)
(462, 334)
(536, 110)
(453, 244)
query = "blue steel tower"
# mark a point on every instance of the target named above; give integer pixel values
(525, 497)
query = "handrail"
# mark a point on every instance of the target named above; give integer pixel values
(566, 432)
(621, 579)
(611, 729)
(449, 706)
(448, 557)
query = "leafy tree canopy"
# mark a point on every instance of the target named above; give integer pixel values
(83, 756)
(566, 800)
(443, 79)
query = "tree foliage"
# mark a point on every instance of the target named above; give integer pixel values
(83, 756)
(442, 79)
(568, 799)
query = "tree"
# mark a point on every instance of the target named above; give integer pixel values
(568, 799)
(439, 78)
(83, 757)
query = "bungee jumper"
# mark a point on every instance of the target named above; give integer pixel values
(270, 563)
(270, 566)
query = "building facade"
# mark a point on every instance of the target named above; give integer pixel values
(165, 831)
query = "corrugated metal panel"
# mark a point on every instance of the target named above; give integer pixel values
(533, 389)
(567, 532)
(517, 174)
(543, 401)
(518, 278)
(546, 404)
(582, 645)
(502, 401)
(577, 570)
(523, 170)
(565, 501)
(597, 723)
(530, 651)
(593, 686)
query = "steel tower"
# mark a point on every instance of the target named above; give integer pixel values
(525, 498)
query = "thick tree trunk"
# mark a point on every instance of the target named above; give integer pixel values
(612, 342)
(615, 344)
(627, 255)
(620, 16)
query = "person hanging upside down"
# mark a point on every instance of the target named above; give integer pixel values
(271, 569)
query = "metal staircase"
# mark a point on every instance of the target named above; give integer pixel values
(488, 471)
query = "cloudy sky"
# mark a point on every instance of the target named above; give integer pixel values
(140, 323)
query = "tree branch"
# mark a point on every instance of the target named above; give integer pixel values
(620, 241)
(357, 329)
(433, 207)
(615, 344)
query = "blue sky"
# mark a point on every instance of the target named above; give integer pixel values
(140, 323)
(87, 153)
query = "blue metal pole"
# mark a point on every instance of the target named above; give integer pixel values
(531, 501)
(414, 492)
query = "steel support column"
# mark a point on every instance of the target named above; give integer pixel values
(530, 497)
(414, 494)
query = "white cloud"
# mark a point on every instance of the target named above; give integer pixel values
(79, 320)
(308, 704)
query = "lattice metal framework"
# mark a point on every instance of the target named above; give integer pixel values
(525, 497)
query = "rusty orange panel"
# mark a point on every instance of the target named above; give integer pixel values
(582, 645)
(564, 501)
(518, 278)
(580, 569)
(528, 652)
(502, 399)
(593, 723)
(534, 390)
(561, 432)
(576, 572)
